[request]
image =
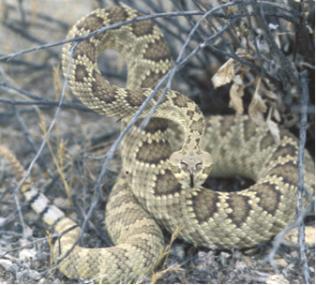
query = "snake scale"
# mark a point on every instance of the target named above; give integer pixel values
(165, 164)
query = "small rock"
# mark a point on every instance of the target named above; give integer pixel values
(27, 254)
(61, 203)
(277, 279)
(2, 221)
(6, 264)
(294, 254)
(240, 265)
(178, 251)
(248, 261)
(291, 237)
(281, 262)
(224, 256)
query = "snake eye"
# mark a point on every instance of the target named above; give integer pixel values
(198, 166)
(183, 165)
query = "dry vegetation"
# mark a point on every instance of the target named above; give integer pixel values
(254, 57)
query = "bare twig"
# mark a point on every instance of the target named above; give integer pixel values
(37, 155)
(300, 192)
(99, 31)
(47, 104)
(286, 71)
(301, 211)
(39, 15)
(29, 138)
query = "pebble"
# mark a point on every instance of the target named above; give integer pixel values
(277, 279)
(281, 262)
(291, 237)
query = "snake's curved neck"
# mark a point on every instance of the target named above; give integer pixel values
(184, 112)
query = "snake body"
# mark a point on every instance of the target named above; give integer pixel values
(165, 164)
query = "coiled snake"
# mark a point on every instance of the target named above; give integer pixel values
(165, 164)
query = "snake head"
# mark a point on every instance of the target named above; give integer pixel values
(191, 169)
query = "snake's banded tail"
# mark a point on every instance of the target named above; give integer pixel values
(139, 239)
(48, 212)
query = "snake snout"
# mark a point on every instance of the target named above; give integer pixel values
(191, 169)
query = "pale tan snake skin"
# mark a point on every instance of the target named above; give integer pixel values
(165, 165)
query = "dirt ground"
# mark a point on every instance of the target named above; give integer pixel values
(68, 166)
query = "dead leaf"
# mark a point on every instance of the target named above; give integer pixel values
(291, 237)
(276, 115)
(236, 93)
(224, 74)
(257, 106)
(274, 130)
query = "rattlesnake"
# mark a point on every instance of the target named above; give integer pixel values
(165, 163)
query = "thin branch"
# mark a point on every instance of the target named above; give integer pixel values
(39, 15)
(29, 138)
(46, 104)
(40, 149)
(12, 88)
(301, 211)
(286, 71)
(300, 192)
(99, 31)
(117, 25)
(26, 35)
